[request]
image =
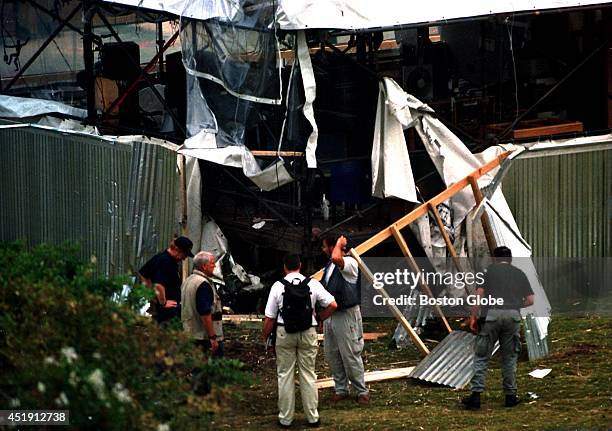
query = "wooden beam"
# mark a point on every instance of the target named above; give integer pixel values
(238, 318)
(396, 312)
(367, 336)
(371, 376)
(415, 268)
(422, 209)
(447, 241)
(484, 218)
(263, 153)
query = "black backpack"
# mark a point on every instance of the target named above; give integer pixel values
(297, 306)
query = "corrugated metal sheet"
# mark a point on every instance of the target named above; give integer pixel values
(537, 346)
(116, 198)
(563, 206)
(450, 363)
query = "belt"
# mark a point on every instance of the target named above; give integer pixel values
(282, 324)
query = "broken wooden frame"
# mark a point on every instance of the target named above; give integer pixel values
(394, 230)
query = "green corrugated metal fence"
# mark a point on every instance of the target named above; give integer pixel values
(116, 199)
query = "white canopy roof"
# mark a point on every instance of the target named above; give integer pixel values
(357, 14)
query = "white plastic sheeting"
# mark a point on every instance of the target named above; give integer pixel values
(355, 14)
(204, 146)
(361, 14)
(24, 107)
(310, 92)
(391, 170)
(241, 54)
(391, 173)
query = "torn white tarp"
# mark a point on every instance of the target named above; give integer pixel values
(310, 92)
(391, 170)
(353, 14)
(361, 14)
(24, 107)
(204, 146)
(453, 160)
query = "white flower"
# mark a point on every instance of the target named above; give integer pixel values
(70, 354)
(50, 360)
(96, 380)
(62, 400)
(73, 380)
(163, 427)
(122, 394)
(41, 387)
(97, 356)
(14, 402)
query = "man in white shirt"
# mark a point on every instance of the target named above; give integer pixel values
(344, 330)
(295, 343)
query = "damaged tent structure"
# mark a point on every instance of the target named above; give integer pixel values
(293, 118)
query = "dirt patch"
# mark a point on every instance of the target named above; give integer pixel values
(578, 349)
(251, 354)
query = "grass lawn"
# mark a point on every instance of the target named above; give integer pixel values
(576, 395)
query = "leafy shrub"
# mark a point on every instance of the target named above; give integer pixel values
(65, 345)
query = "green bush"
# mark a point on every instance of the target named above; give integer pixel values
(65, 345)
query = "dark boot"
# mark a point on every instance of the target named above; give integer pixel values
(512, 400)
(472, 402)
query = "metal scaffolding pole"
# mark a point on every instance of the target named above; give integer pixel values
(42, 47)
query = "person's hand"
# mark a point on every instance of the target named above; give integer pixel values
(214, 345)
(170, 304)
(342, 241)
(473, 323)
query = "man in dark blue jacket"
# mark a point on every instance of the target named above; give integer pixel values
(161, 273)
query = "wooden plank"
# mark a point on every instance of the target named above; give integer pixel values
(484, 218)
(237, 318)
(371, 376)
(449, 244)
(415, 268)
(367, 336)
(264, 153)
(554, 129)
(422, 209)
(396, 312)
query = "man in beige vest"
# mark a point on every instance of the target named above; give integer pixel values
(201, 312)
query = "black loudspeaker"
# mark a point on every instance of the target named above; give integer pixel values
(176, 85)
(120, 61)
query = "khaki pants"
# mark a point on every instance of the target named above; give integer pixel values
(301, 349)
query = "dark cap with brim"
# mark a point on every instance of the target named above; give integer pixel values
(184, 244)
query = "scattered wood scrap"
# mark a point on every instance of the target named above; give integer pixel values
(238, 318)
(367, 336)
(371, 376)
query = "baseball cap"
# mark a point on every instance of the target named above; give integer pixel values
(184, 244)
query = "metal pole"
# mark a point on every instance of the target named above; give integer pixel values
(97, 40)
(88, 58)
(160, 49)
(42, 47)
